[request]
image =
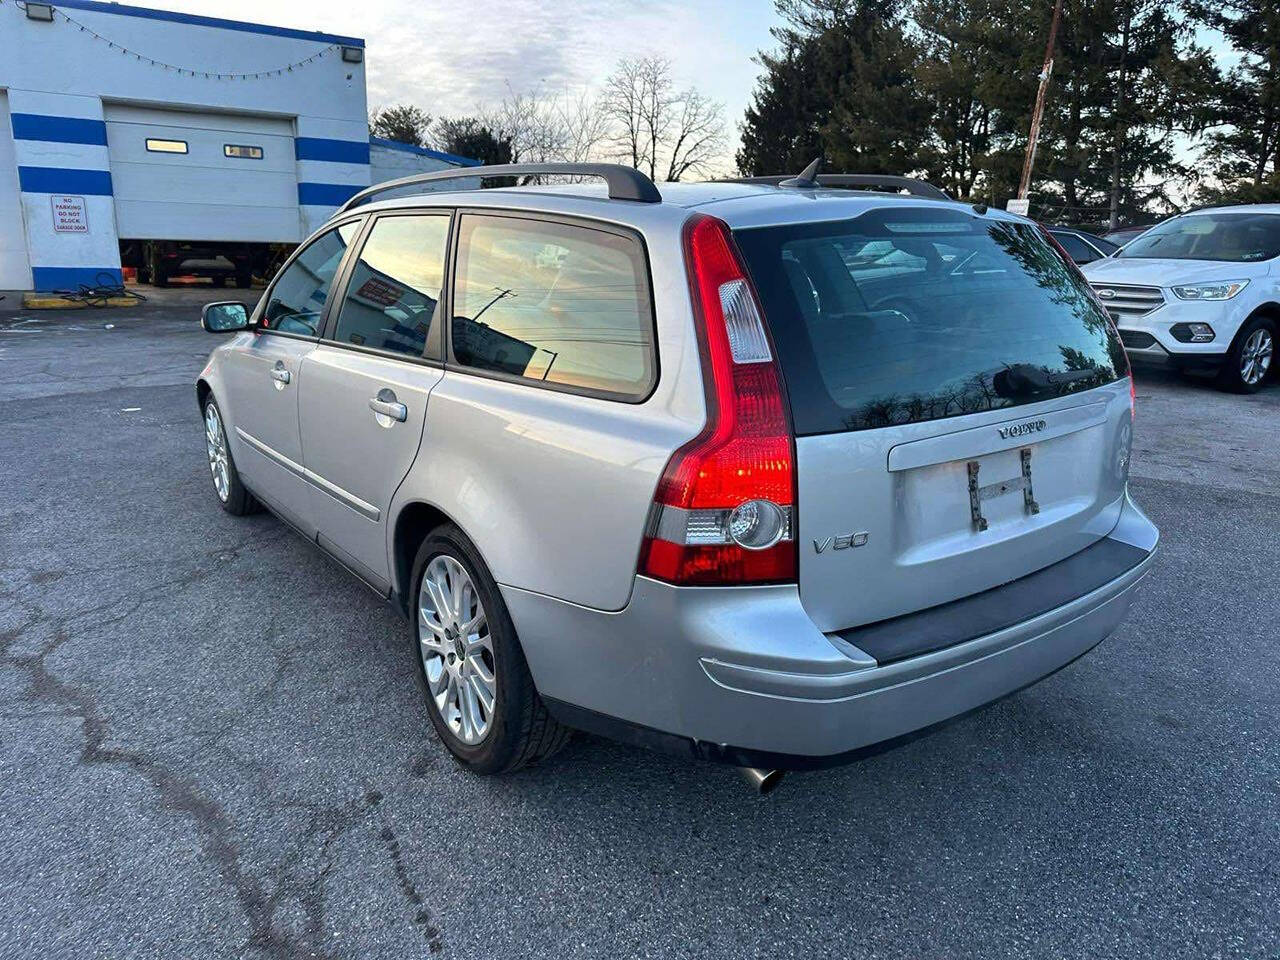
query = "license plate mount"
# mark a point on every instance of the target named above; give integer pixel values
(979, 493)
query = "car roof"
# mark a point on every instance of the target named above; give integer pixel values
(1238, 208)
(741, 205)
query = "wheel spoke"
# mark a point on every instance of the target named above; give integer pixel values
(456, 649)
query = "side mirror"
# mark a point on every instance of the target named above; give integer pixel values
(224, 317)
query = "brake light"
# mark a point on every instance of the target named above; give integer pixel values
(724, 511)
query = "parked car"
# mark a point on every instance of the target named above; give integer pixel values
(1123, 235)
(1082, 247)
(762, 474)
(1200, 291)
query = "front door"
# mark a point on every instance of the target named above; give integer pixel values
(364, 389)
(264, 374)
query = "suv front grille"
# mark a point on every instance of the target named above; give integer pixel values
(1126, 302)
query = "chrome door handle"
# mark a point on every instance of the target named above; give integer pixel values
(281, 375)
(388, 407)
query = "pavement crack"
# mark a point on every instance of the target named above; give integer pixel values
(422, 915)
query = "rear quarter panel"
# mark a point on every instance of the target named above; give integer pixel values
(554, 488)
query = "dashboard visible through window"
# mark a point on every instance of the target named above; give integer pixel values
(296, 301)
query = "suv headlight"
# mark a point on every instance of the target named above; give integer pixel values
(1210, 291)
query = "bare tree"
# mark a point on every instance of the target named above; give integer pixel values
(698, 135)
(657, 127)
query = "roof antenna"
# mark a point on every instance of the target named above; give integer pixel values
(808, 178)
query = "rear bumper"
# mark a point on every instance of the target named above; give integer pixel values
(743, 676)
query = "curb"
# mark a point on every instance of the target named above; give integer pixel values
(39, 301)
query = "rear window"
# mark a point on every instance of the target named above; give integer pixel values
(910, 315)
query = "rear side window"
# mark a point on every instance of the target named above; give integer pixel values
(395, 285)
(296, 301)
(1080, 251)
(919, 314)
(555, 303)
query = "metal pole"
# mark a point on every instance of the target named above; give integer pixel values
(1038, 111)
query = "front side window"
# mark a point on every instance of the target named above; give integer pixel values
(296, 301)
(906, 316)
(395, 285)
(554, 302)
(1233, 237)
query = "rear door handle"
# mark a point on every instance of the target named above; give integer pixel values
(280, 375)
(386, 405)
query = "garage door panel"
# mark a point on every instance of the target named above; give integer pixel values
(202, 194)
(207, 221)
(231, 187)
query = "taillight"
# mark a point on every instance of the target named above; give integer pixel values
(724, 511)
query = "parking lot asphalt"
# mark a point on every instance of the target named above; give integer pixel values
(211, 743)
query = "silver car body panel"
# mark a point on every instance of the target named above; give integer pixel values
(554, 488)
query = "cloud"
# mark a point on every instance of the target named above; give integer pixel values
(449, 58)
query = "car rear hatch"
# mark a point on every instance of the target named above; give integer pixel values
(961, 414)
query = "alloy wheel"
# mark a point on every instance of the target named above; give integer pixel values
(215, 439)
(1255, 358)
(456, 649)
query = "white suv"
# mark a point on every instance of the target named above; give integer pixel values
(1200, 291)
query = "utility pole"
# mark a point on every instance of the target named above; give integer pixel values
(1038, 111)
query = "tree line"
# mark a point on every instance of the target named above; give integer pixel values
(640, 116)
(1152, 105)
(1143, 114)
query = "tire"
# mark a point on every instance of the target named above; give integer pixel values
(244, 279)
(231, 493)
(220, 280)
(517, 730)
(1250, 358)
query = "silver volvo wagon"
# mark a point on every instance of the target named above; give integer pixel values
(767, 473)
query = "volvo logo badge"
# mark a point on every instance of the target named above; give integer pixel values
(1021, 429)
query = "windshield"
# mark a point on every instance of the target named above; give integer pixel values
(1234, 237)
(919, 314)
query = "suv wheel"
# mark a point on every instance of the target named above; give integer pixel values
(231, 493)
(1249, 359)
(473, 674)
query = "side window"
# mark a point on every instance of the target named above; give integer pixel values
(553, 302)
(1077, 248)
(296, 301)
(395, 285)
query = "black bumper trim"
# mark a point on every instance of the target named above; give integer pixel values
(999, 608)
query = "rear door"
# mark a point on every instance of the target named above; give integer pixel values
(264, 374)
(958, 400)
(364, 391)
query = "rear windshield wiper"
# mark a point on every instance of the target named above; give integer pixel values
(1025, 380)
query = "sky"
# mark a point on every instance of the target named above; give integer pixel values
(450, 57)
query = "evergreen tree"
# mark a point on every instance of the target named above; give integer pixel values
(1244, 151)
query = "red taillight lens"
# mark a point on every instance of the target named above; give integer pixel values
(724, 509)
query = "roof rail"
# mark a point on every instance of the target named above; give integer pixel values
(625, 183)
(875, 181)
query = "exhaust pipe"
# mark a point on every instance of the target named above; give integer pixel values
(762, 781)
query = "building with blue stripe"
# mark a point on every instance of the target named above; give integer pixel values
(124, 128)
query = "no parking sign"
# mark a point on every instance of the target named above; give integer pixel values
(69, 214)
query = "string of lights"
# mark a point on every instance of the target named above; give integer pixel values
(187, 71)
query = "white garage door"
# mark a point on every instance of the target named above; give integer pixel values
(15, 271)
(181, 175)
